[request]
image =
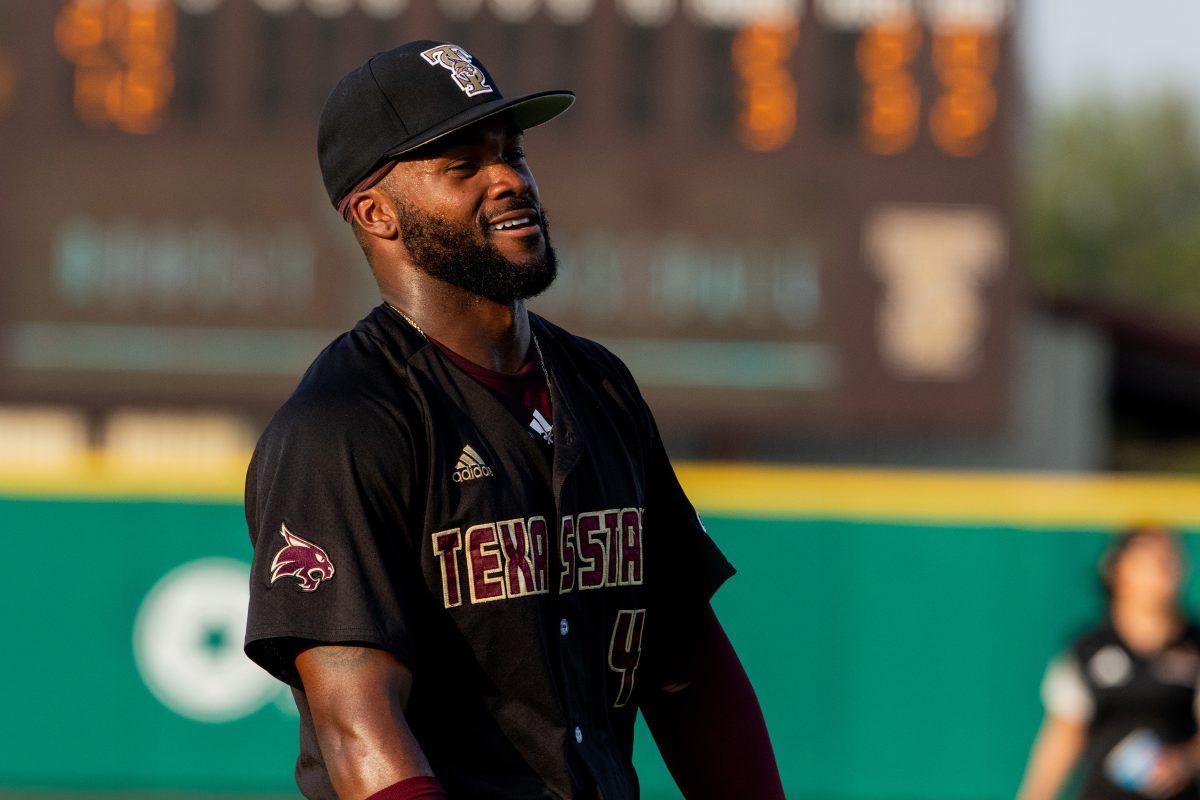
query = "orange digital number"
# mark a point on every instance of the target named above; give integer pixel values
(762, 52)
(965, 60)
(891, 101)
(121, 50)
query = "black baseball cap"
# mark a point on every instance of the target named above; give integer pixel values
(407, 97)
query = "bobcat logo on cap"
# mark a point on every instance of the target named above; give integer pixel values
(459, 62)
(302, 560)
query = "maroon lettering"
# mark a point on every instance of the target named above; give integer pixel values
(566, 554)
(625, 651)
(591, 535)
(539, 540)
(631, 547)
(518, 567)
(483, 562)
(446, 545)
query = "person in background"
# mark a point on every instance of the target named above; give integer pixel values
(1121, 702)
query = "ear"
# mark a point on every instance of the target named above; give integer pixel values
(375, 213)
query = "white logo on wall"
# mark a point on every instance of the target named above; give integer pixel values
(187, 641)
(934, 263)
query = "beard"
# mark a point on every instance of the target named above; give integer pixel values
(454, 254)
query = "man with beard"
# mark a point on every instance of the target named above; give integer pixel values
(473, 562)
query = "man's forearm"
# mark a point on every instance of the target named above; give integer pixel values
(362, 767)
(357, 699)
(711, 733)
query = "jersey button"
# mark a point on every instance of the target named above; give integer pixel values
(578, 735)
(563, 627)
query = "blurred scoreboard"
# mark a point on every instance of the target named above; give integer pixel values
(783, 214)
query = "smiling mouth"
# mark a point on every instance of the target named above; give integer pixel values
(521, 223)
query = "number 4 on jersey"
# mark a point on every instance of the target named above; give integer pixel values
(626, 650)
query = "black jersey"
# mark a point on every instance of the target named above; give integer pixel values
(1117, 693)
(394, 502)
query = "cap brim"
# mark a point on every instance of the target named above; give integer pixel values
(526, 111)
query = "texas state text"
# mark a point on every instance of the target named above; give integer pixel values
(508, 559)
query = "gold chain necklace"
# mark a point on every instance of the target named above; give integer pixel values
(409, 320)
(545, 370)
(536, 345)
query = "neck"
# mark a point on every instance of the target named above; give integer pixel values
(490, 334)
(1146, 627)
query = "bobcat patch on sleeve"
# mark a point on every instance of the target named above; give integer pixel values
(302, 560)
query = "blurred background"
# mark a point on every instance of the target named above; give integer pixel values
(910, 284)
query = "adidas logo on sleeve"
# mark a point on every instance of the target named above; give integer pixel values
(470, 466)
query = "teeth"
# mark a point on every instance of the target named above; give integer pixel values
(514, 223)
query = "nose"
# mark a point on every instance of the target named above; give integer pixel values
(506, 180)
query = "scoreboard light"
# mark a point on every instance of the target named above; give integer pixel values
(891, 100)
(197, 6)
(762, 57)
(647, 13)
(739, 13)
(121, 50)
(980, 14)
(330, 9)
(965, 61)
(514, 12)
(277, 6)
(460, 10)
(383, 9)
(570, 12)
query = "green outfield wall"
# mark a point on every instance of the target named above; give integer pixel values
(894, 658)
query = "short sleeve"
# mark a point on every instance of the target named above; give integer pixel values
(1065, 694)
(326, 508)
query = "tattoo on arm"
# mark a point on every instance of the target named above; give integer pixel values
(343, 657)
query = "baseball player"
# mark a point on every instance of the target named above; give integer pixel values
(473, 562)
(1121, 701)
